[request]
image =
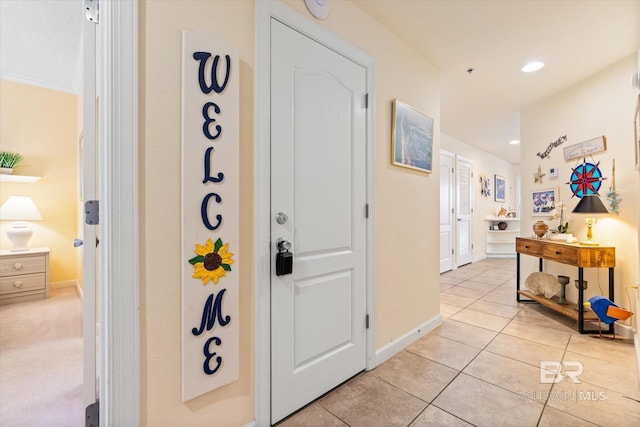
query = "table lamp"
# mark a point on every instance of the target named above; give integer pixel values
(19, 209)
(591, 205)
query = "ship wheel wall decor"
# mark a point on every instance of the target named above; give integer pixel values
(586, 179)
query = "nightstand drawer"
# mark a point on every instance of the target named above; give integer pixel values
(12, 266)
(29, 282)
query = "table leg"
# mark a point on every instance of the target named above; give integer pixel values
(517, 276)
(580, 300)
(611, 297)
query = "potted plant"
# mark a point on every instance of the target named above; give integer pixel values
(8, 161)
(562, 232)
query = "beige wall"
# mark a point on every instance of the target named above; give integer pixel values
(406, 263)
(484, 164)
(41, 124)
(602, 104)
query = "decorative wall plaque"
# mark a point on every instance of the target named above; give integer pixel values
(210, 213)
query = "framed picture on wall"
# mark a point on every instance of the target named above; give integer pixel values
(412, 138)
(543, 201)
(500, 191)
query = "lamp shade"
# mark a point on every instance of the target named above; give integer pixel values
(590, 204)
(19, 208)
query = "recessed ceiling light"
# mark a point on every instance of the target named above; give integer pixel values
(514, 142)
(532, 66)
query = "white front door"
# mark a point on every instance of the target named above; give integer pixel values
(447, 220)
(464, 232)
(318, 180)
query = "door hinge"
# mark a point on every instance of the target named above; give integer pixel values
(92, 415)
(452, 251)
(472, 246)
(367, 321)
(471, 210)
(452, 211)
(92, 11)
(366, 100)
(366, 210)
(452, 171)
(91, 212)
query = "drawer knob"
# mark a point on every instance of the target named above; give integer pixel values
(17, 266)
(526, 246)
(17, 284)
(557, 252)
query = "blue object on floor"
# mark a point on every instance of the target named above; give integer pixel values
(600, 305)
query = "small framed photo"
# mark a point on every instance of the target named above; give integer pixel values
(543, 201)
(412, 138)
(500, 191)
(495, 227)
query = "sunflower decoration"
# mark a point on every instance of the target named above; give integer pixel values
(212, 261)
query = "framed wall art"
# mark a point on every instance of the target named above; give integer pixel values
(412, 138)
(500, 191)
(543, 201)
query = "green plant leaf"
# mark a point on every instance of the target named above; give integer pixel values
(196, 259)
(217, 245)
(226, 267)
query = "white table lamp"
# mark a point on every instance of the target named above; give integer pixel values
(19, 209)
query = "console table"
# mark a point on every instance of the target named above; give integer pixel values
(571, 254)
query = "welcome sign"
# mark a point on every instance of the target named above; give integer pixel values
(210, 213)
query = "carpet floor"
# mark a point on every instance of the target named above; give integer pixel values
(41, 362)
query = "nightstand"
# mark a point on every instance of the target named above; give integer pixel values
(24, 276)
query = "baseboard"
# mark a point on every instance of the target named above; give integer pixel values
(80, 291)
(623, 331)
(394, 347)
(479, 258)
(636, 342)
(251, 424)
(63, 284)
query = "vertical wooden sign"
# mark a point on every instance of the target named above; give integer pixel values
(210, 213)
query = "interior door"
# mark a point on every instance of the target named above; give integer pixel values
(447, 220)
(464, 204)
(318, 181)
(89, 233)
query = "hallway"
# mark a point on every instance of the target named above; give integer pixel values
(482, 367)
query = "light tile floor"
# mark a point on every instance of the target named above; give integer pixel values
(482, 367)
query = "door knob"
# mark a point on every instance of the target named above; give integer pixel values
(283, 245)
(77, 243)
(281, 218)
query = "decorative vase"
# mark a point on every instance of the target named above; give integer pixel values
(564, 281)
(6, 171)
(540, 228)
(502, 225)
(584, 286)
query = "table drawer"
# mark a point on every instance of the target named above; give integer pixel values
(561, 253)
(22, 265)
(27, 282)
(529, 247)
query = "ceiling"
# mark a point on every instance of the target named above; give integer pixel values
(40, 43)
(574, 38)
